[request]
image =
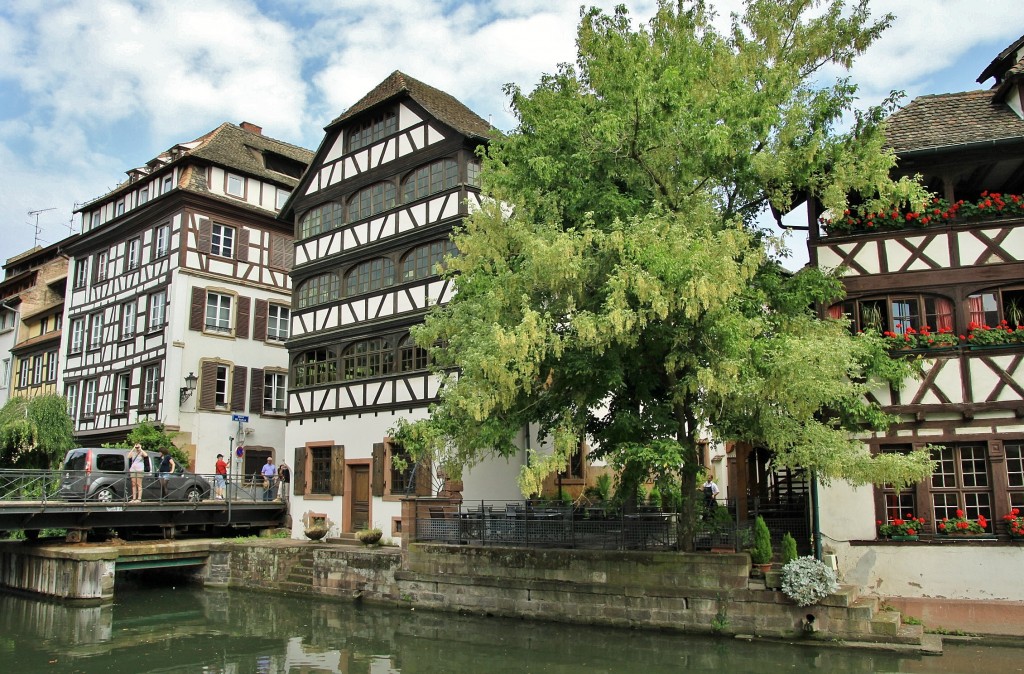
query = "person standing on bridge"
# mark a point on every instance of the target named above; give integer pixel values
(166, 468)
(284, 478)
(136, 467)
(221, 469)
(269, 479)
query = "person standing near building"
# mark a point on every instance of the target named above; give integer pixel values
(710, 490)
(166, 468)
(221, 478)
(269, 479)
(136, 467)
(284, 479)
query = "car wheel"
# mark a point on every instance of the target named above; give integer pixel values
(105, 495)
(194, 495)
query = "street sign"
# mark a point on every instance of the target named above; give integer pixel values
(240, 417)
(239, 452)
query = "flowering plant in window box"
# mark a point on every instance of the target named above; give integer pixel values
(961, 526)
(985, 335)
(938, 212)
(900, 340)
(943, 338)
(1015, 523)
(906, 527)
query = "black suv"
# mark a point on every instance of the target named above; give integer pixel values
(101, 474)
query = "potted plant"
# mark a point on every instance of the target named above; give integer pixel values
(369, 537)
(1015, 524)
(908, 528)
(315, 525)
(961, 526)
(761, 553)
(807, 580)
(789, 552)
(943, 338)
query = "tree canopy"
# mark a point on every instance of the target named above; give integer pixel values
(617, 287)
(35, 432)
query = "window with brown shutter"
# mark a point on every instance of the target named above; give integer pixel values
(238, 382)
(338, 470)
(256, 391)
(281, 252)
(208, 385)
(242, 318)
(259, 321)
(377, 478)
(196, 312)
(299, 471)
(242, 245)
(205, 235)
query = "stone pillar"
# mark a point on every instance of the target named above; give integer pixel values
(409, 509)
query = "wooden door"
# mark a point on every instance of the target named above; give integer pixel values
(360, 497)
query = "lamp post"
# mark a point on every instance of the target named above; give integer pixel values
(190, 386)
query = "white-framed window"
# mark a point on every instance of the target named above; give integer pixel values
(143, 195)
(278, 322)
(58, 321)
(157, 309)
(101, 266)
(81, 273)
(161, 240)
(6, 320)
(218, 312)
(129, 310)
(121, 393)
(89, 398)
(24, 372)
(51, 366)
(282, 197)
(132, 253)
(94, 221)
(71, 395)
(274, 389)
(37, 370)
(151, 386)
(77, 334)
(120, 207)
(222, 241)
(236, 185)
(167, 184)
(5, 372)
(95, 330)
(220, 398)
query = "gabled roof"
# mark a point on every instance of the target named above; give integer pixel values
(1001, 63)
(950, 120)
(441, 105)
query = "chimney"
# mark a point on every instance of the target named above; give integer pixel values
(252, 128)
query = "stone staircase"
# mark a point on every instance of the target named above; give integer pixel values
(301, 576)
(872, 622)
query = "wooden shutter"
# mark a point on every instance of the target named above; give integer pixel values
(338, 470)
(242, 318)
(424, 479)
(198, 309)
(377, 479)
(256, 391)
(238, 388)
(259, 321)
(208, 386)
(242, 245)
(279, 249)
(299, 471)
(205, 235)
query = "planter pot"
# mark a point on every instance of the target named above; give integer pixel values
(315, 533)
(904, 538)
(369, 537)
(763, 568)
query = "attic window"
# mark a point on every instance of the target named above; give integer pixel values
(371, 129)
(282, 164)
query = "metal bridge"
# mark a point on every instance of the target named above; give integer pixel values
(31, 501)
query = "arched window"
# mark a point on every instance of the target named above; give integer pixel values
(371, 200)
(421, 261)
(372, 129)
(900, 314)
(368, 358)
(318, 290)
(410, 356)
(321, 219)
(990, 307)
(431, 178)
(316, 366)
(369, 276)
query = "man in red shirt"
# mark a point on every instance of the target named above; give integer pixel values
(222, 472)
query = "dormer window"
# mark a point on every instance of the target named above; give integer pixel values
(120, 207)
(236, 186)
(168, 184)
(372, 129)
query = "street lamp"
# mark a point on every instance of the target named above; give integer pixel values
(190, 385)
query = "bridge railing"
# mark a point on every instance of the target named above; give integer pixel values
(29, 485)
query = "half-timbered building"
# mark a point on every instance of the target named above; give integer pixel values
(179, 298)
(373, 216)
(946, 287)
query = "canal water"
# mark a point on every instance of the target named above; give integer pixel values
(161, 628)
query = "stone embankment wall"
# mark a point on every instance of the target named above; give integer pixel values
(88, 577)
(674, 591)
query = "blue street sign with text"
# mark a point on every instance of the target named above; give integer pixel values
(240, 417)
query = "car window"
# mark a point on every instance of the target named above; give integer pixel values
(110, 462)
(75, 460)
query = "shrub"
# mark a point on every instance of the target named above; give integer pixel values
(654, 498)
(761, 553)
(789, 552)
(604, 486)
(806, 580)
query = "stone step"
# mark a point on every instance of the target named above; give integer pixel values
(346, 539)
(864, 608)
(887, 623)
(845, 596)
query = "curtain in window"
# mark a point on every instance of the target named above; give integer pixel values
(976, 305)
(835, 311)
(944, 314)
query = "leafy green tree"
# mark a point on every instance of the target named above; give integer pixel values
(153, 438)
(35, 432)
(617, 286)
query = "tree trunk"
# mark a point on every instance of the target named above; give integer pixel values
(686, 436)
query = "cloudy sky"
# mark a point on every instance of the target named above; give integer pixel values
(92, 88)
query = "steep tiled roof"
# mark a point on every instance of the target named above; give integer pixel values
(948, 120)
(232, 146)
(441, 105)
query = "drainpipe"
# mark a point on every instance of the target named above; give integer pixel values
(815, 520)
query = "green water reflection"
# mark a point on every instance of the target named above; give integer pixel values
(161, 629)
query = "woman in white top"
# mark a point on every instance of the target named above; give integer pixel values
(136, 467)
